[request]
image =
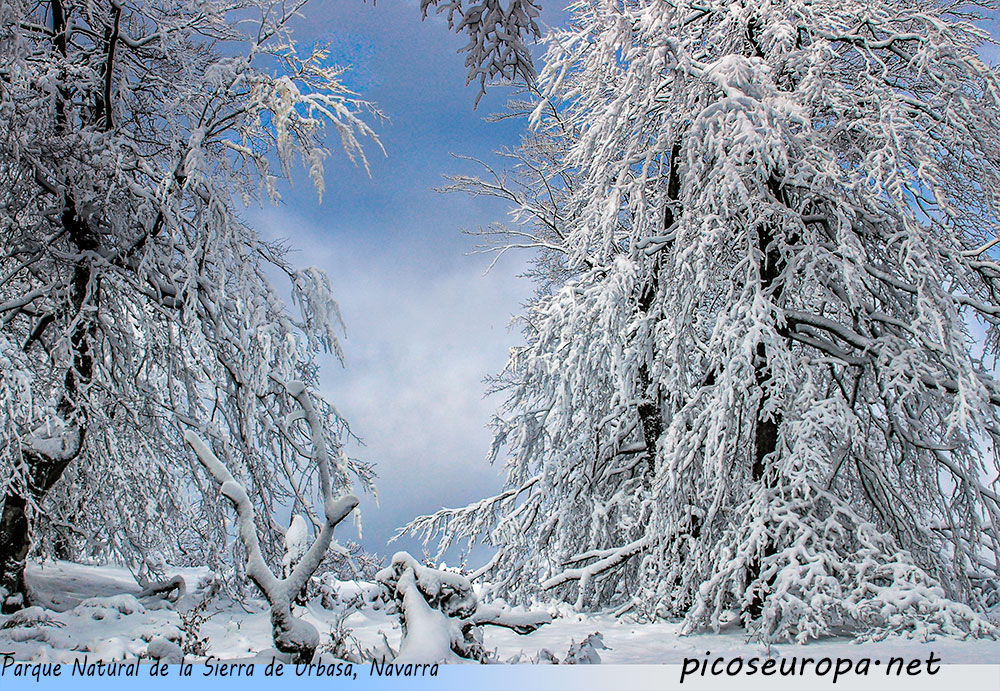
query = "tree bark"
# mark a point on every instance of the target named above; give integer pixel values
(13, 553)
(15, 529)
(767, 425)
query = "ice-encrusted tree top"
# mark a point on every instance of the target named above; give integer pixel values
(135, 301)
(758, 378)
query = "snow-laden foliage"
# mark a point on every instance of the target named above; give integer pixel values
(758, 379)
(498, 31)
(441, 615)
(135, 302)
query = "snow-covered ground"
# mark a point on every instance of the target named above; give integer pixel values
(99, 611)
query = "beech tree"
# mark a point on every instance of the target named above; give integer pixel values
(757, 380)
(135, 301)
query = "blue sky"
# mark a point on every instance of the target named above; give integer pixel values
(425, 326)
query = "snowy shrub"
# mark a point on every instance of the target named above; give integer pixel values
(585, 652)
(30, 617)
(192, 641)
(436, 609)
(441, 615)
(353, 565)
(168, 652)
(112, 606)
(342, 644)
(545, 657)
(335, 594)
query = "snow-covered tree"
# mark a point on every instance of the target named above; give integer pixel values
(291, 635)
(135, 302)
(758, 379)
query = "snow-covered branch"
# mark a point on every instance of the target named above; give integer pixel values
(607, 559)
(291, 635)
(498, 32)
(441, 614)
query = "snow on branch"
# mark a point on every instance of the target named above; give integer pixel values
(291, 635)
(608, 559)
(442, 615)
(469, 521)
(497, 35)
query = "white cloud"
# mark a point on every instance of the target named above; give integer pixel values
(421, 337)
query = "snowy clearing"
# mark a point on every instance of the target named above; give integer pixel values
(97, 611)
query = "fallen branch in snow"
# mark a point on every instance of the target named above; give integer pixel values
(519, 622)
(291, 635)
(172, 589)
(441, 614)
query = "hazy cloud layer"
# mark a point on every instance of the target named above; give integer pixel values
(421, 337)
(424, 325)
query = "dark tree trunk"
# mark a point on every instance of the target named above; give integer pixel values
(650, 410)
(764, 448)
(15, 530)
(13, 553)
(43, 471)
(767, 424)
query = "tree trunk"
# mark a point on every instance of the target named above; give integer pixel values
(766, 429)
(14, 544)
(15, 531)
(765, 445)
(650, 410)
